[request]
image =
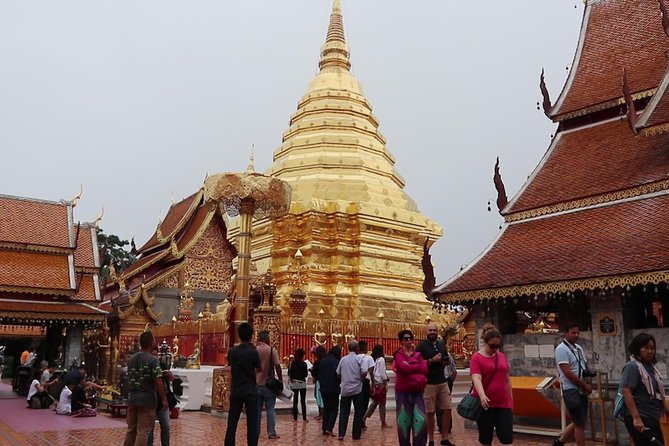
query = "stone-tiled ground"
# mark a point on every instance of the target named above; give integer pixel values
(197, 428)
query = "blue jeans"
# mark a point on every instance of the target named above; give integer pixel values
(267, 397)
(163, 417)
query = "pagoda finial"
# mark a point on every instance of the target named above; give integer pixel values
(335, 52)
(251, 168)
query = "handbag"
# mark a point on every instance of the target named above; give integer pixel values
(470, 406)
(272, 383)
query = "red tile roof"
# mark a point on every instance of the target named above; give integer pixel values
(84, 253)
(175, 218)
(34, 270)
(603, 158)
(619, 33)
(619, 239)
(86, 291)
(34, 222)
(657, 111)
(41, 309)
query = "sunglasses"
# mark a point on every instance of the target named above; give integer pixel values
(494, 346)
(407, 338)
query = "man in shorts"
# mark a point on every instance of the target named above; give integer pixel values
(573, 369)
(437, 394)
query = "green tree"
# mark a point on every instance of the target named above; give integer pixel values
(121, 253)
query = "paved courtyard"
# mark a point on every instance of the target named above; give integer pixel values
(21, 426)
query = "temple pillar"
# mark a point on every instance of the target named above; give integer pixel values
(609, 339)
(73, 345)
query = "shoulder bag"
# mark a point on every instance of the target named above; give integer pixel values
(272, 383)
(470, 406)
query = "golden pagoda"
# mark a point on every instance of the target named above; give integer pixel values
(360, 235)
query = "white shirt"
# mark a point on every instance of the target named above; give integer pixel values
(351, 372)
(33, 389)
(380, 375)
(366, 362)
(64, 402)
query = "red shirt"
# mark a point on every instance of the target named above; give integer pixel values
(496, 387)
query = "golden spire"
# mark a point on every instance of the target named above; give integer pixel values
(335, 51)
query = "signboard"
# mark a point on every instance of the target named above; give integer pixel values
(607, 325)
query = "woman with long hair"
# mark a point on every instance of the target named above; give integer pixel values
(379, 388)
(490, 376)
(643, 393)
(411, 370)
(298, 382)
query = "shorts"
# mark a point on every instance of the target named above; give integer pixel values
(577, 405)
(498, 420)
(437, 396)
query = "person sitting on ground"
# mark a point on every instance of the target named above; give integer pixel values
(78, 405)
(64, 406)
(37, 396)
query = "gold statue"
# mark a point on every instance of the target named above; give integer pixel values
(320, 338)
(175, 347)
(337, 337)
(223, 311)
(193, 361)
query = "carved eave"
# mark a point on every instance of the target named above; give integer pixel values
(193, 234)
(140, 293)
(142, 264)
(42, 291)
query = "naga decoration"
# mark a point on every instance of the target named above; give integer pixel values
(631, 110)
(546, 104)
(429, 282)
(502, 200)
(665, 17)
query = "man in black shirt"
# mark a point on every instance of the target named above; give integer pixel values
(437, 393)
(244, 363)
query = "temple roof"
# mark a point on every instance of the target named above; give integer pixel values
(43, 252)
(591, 161)
(164, 253)
(614, 35)
(36, 222)
(594, 212)
(657, 111)
(618, 243)
(23, 309)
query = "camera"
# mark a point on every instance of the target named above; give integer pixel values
(589, 373)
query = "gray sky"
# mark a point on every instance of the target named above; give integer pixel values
(138, 100)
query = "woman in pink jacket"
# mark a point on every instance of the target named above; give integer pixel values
(411, 371)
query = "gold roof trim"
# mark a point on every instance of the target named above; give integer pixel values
(35, 248)
(603, 106)
(655, 130)
(590, 201)
(555, 287)
(53, 316)
(196, 237)
(162, 239)
(47, 291)
(134, 272)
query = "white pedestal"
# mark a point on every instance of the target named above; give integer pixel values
(196, 387)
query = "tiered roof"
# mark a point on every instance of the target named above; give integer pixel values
(165, 252)
(594, 212)
(47, 258)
